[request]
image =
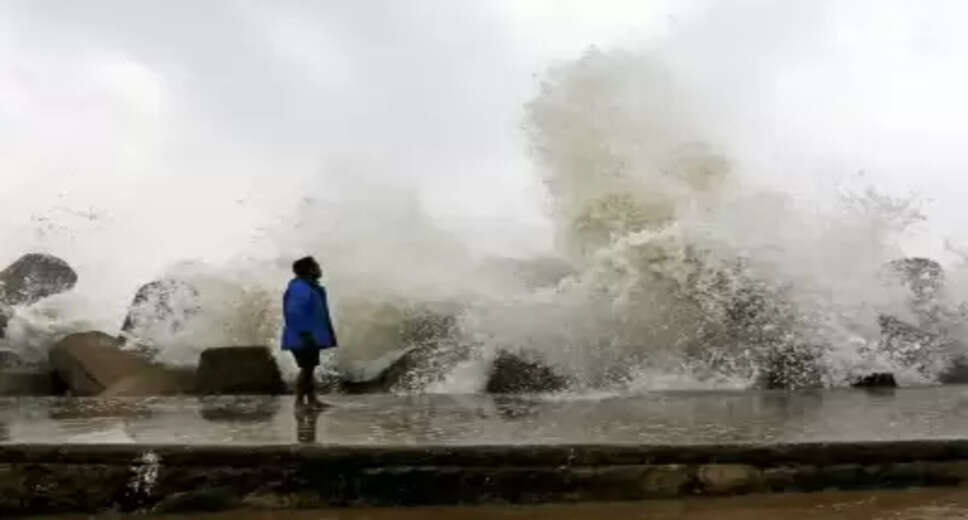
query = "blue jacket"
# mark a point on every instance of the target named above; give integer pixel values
(305, 309)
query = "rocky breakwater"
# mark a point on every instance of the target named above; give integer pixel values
(928, 337)
(28, 280)
(94, 363)
(432, 348)
(97, 364)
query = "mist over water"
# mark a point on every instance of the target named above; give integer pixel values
(615, 218)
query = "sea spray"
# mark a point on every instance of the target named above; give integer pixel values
(669, 259)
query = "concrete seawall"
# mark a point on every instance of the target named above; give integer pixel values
(89, 478)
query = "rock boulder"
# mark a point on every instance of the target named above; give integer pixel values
(956, 373)
(18, 382)
(378, 376)
(791, 367)
(518, 373)
(923, 276)
(10, 359)
(89, 363)
(913, 347)
(5, 314)
(876, 380)
(159, 309)
(35, 276)
(431, 351)
(238, 370)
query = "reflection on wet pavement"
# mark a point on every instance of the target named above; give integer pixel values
(306, 425)
(888, 505)
(668, 418)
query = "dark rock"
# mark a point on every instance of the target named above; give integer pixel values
(10, 359)
(14, 382)
(762, 321)
(212, 499)
(515, 374)
(5, 314)
(33, 277)
(161, 307)
(956, 373)
(923, 276)
(428, 332)
(912, 346)
(791, 368)
(877, 380)
(91, 362)
(386, 378)
(238, 370)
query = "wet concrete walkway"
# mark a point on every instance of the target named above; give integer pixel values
(656, 418)
(175, 454)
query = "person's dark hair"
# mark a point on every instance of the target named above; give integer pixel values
(304, 266)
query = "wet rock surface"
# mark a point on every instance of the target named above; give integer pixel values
(386, 377)
(31, 278)
(794, 367)
(6, 312)
(91, 362)
(878, 380)
(431, 350)
(516, 373)
(923, 276)
(25, 382)
(926, 339)
(10, 359)
(95, 364)
(238, 370)
(35, 276)
(955, 373)
(913, 346)
(160, 309)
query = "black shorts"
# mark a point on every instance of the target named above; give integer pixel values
(306, 357)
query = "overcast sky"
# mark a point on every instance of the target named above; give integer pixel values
(176, 127)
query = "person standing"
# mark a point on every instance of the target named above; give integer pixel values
(308, 327)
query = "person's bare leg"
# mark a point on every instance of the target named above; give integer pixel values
(311, 398)
(305, 375)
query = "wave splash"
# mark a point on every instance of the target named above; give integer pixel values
(671, 269)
